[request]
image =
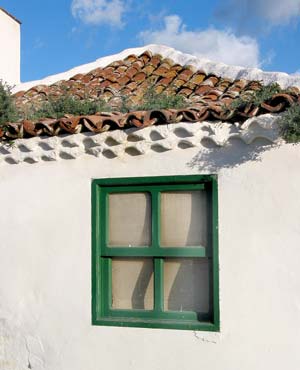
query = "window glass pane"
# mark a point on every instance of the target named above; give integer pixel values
(129, 219)
(186, 284)
(184, 216)
(132, 283)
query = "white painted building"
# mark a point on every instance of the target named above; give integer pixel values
(10, 41)
(46, 225)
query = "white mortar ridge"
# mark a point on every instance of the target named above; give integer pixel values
(133, 141)
(220, 69)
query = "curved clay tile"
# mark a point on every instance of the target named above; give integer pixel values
(207, 95)
(278, 102)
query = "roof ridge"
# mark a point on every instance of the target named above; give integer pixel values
(209, 67)
(150, 81)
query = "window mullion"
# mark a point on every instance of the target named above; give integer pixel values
(153, 294)
(106, 284)
(155, 196)
(158, 261)
(158, 286)
(215, 279)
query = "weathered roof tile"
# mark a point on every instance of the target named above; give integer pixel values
(208, 96)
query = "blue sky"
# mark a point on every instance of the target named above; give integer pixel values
(60, 34)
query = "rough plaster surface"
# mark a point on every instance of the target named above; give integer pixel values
(45, 264)
(135, 142)
(19, 351)
(10, 46)
(220, 69)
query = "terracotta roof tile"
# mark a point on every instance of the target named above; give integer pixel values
(209, 97)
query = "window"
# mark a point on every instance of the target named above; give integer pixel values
(155, 252)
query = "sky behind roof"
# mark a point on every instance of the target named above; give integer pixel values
(60, 34)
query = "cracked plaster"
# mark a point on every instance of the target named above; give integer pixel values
(19, 351)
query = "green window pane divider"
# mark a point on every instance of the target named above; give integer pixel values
(158, 286)
(102, 312)
(155, 252)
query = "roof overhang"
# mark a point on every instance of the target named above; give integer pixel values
(11, 16)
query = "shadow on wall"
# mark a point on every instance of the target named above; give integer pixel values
(235, 153)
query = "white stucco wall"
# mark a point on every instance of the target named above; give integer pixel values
(45, 265)
(10, 49)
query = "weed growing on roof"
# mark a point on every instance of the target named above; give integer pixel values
(57, 107)
(8, 112)
(266, 93)
(154, 100)
(256, 97)
(151, 100)
(125, 105)
(289, 124)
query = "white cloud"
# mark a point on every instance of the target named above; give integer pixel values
(278, 11)
(275, 12)
(98, 12)
(220, 46)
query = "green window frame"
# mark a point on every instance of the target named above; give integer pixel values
(102, 255)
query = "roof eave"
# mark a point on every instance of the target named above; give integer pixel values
(10, 15)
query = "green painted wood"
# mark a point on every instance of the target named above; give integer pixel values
(96, 274)
(159, 314)
(161, 180)
(152, 188)
(215, 253)
(154, 252)
(102, 314)
(102, 222)
(155, 222)
(158, 286)
(106, 286)
(158, 324)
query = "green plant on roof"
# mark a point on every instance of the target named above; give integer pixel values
(8, 112)
(256, 97)
(151, 100)
(289, 124)
(154, 100)
(57, 107)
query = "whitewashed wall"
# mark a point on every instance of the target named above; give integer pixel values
(10, 49)
(45, 265)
